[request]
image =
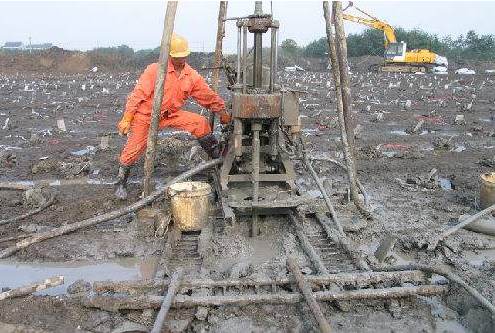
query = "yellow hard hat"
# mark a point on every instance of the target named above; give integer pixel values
(179, 47)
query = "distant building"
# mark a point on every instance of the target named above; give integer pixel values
(16, 46)
(39, 47)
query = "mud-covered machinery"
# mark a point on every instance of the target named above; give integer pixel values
(257, 176)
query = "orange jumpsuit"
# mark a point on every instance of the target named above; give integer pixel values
(176, 91)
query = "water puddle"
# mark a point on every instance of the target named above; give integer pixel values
(445, 184)
(444, 319)
(82, 152)
(485, 120)
(14, 274)
(399, 132)
(458, 148)
(477, 257)
(262, 250)
(390, 153)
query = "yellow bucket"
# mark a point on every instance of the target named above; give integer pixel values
(190, 204)
(487, 195)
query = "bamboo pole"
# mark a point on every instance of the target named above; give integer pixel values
(67, 228)
(352, 279)
(13, 186)
(30, 213)
(167, 301)
(222, 13)
(432, 246)
(308, 295)
(341, 48)
(32, 287)
(324, 193)
(351, 169)
(450, 276)
(115, 304)
(161, 76)
(307, 247)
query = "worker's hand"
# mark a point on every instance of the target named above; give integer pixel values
(224, 117)
(125, 124)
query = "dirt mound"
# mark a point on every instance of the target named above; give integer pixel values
(51, 60)
(57, 60)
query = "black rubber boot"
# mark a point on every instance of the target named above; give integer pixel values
(121, 191)
(210, 145)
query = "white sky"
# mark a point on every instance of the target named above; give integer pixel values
(139, 24)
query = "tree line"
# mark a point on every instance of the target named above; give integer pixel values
(470, 46)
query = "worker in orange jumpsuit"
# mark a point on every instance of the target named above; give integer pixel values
(181, 83)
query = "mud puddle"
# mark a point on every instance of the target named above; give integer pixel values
(261, 250)
(477, 257)
(14, 274)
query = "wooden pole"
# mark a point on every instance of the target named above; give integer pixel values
(348, 156)
(222, 14)
(341, 47)
(434, 243)
(32, 287)
(308, 296)
(161, 76)
(30, 213)
(167, 301)
(450, 276)
(115, 304)
(360, 279)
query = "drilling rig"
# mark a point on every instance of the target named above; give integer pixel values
(257, 176)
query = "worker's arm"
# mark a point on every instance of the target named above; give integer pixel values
(142, 92)
(206, 97)
(143, 89)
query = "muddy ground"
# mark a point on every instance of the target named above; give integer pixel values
(420, 177)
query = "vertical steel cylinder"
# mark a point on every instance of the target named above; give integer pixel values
(273, 59)
(244, 59)
(238, 129)
(239, 36)
(258, 60)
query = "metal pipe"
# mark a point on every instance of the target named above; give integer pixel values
(273, 135)
(238, 130)
(239, 41)
(273, 60)
(167, 301)
(244, 59)
(256, 127)
(258, 8)
(258, 60)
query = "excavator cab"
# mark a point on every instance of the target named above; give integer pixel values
(395, 52)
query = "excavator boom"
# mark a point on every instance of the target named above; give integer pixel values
(388, 31)
(396, 56)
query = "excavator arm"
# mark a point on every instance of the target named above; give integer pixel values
(396, 57)
(388, 31)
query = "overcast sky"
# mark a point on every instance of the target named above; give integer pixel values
(139, 24)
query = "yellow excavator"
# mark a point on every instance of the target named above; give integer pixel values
(396, 57)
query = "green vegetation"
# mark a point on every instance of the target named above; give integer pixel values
(370, 42)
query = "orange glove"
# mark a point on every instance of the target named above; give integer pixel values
(224, 118)
(125, 124)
